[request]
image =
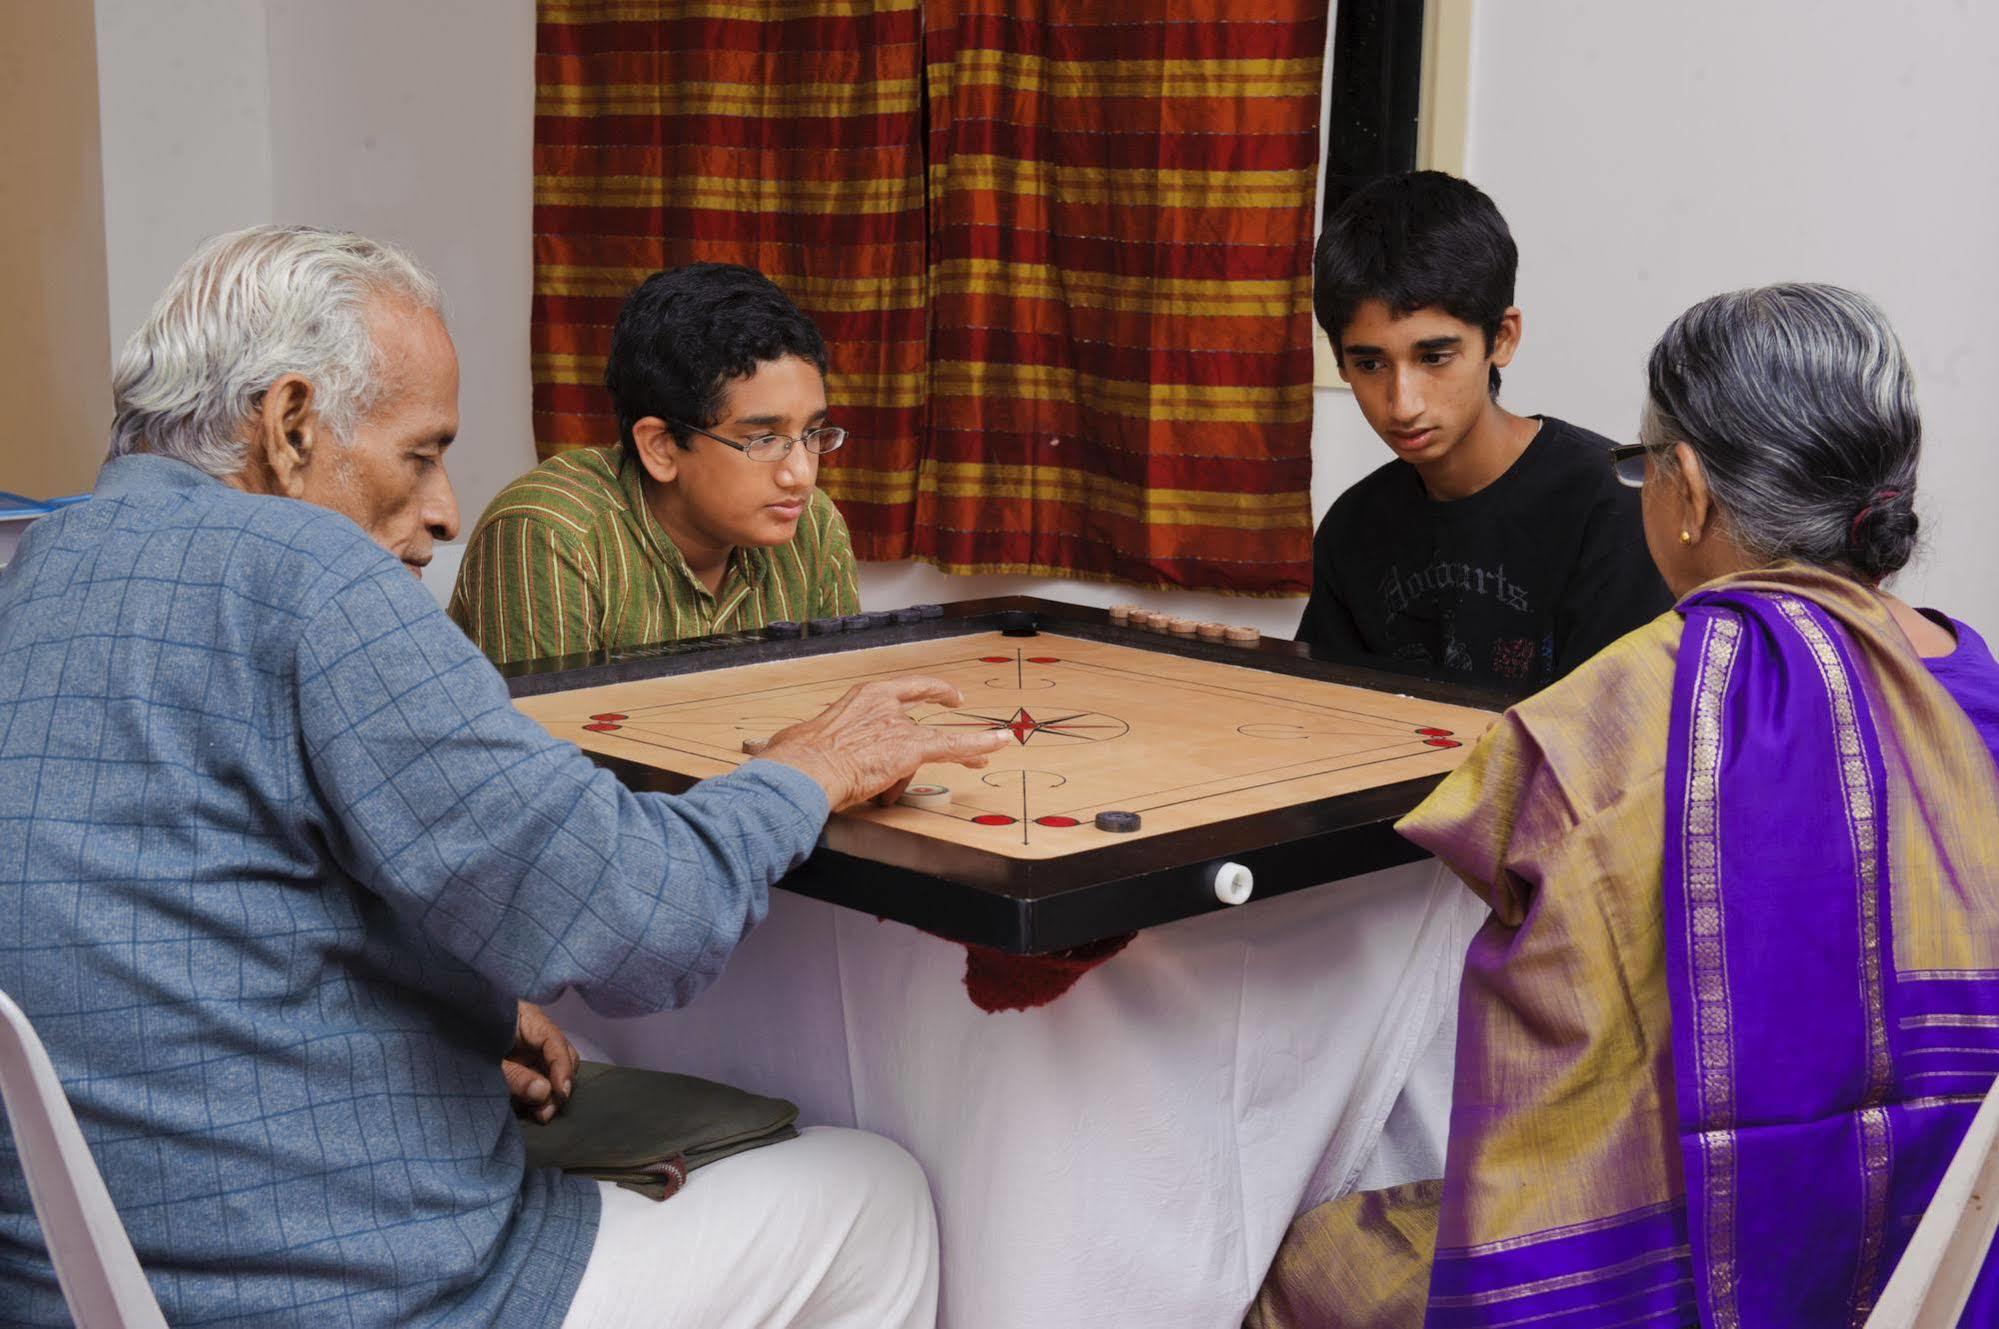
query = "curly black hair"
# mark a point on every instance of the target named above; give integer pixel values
(685, 334)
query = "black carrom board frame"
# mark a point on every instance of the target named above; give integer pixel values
(1034, 906)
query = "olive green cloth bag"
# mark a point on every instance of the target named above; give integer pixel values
(646, 1130)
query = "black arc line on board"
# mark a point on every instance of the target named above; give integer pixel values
(1019, 683)
(1000, 779)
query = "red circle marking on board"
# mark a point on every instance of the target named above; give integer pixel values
(993, 819)
(601, 728)
(1435, 733)
(1442, 743)
(1042, 659)
(1056, 821)
(610, 717)
(996, 659)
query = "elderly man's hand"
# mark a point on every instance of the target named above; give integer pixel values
(864, 746)
(542, 1065)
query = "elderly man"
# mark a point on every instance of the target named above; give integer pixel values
(278, 860)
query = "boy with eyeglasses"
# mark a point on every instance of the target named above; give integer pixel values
(1497, 548)
(704, 518)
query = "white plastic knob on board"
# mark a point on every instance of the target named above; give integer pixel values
(1234, 883)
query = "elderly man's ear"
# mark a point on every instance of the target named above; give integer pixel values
(284, 432)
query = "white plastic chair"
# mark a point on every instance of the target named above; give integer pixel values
(1940, 1268)
(100, 1275)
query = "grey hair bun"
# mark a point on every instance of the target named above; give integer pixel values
(1800, 404)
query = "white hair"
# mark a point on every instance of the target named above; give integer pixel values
(247, 309)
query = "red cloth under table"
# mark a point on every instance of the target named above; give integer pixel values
(997, 981)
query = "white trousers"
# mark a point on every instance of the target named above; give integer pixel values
(834, 1229)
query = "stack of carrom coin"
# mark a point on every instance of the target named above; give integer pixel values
(1241, 636)
(1182, 627)
(1212, 631)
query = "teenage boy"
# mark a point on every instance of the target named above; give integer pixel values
(705, 517)
(1496, 547)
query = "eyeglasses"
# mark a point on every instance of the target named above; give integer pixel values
(1628, 461)
(776, 447)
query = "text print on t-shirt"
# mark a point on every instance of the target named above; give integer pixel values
(1397, 591)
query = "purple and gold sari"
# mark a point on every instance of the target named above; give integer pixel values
(1739, 999)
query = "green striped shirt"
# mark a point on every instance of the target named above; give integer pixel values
(568, 558)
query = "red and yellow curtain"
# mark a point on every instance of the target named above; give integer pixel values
(1061, 250)
(773, 133)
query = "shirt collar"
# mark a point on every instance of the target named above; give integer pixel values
(148, 472)
(746, 565)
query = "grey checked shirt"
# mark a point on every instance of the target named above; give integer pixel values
(277, 855)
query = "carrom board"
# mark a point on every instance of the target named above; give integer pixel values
(1094, 727)
(1256, 756)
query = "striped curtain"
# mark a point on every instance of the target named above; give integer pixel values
(1061, 250)
(780, 134)
(1120, 333)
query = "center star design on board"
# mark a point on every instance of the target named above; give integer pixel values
(1024, 726)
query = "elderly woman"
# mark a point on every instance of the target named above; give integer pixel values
(1739, 996)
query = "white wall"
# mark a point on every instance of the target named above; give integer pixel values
(184, 109)
(413, 121)
(409, 120)
(1646, 155)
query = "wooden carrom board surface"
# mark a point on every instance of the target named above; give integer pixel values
(1096, 727)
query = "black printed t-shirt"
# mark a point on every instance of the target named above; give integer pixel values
(1511, 587)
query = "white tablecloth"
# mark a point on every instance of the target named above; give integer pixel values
(1132, 1153)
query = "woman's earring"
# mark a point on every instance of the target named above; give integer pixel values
(1686, 536)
